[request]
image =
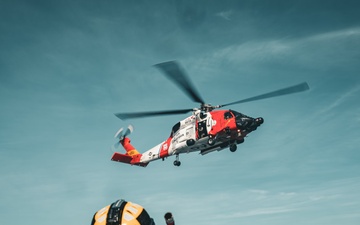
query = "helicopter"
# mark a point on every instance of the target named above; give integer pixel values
(206, 130)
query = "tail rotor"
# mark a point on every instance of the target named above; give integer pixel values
(121, 134)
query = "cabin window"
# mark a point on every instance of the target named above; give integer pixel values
(175, 128)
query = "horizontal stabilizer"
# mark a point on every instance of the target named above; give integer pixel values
(118, 157)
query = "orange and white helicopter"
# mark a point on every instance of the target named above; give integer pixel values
(208, 129)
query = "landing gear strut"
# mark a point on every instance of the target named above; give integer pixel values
(177, 162)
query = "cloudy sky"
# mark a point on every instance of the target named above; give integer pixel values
(67, 66)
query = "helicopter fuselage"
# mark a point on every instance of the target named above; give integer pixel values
(204, 132)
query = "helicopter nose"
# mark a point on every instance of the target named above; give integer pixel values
(259, 121)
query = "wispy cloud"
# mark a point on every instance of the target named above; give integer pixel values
(325, 48)
(235, 203)
(344, 33)
(261, 211)
(340, 100)
(225, 14)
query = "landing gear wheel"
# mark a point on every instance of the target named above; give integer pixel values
(233, 147)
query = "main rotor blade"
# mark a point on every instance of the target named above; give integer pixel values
(289, 90)
(125, 116)
(174, 72)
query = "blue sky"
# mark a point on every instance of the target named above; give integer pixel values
(67, 66)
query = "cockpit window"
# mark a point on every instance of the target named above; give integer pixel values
(237, 114)
(227, 115)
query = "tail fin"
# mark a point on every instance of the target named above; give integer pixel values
(132, 156)
(130, 150)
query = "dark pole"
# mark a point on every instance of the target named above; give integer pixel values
(169, 219)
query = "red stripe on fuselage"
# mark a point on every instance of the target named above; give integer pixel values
(164, 149)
